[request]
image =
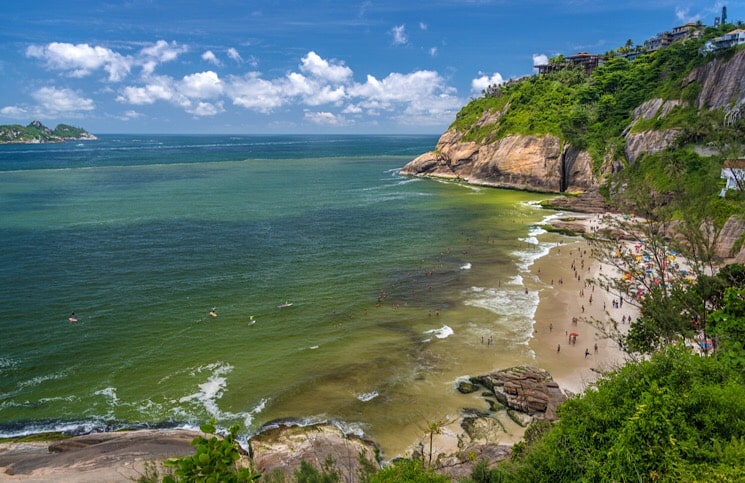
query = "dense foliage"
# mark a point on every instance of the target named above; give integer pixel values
(591, 112)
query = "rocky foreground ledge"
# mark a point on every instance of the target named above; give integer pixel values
(523, 393)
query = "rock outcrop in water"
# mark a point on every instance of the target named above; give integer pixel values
(536, 163)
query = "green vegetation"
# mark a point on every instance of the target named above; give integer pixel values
(591, 112)
(36, 132)
(214, 461)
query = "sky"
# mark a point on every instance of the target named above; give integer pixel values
(296, 66)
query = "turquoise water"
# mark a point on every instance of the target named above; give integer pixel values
(393, 283)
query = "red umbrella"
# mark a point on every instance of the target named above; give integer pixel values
(573, 334)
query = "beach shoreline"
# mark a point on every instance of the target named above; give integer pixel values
(570, 303)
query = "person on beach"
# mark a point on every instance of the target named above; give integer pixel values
(587, 353)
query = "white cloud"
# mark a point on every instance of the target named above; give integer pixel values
(684, 16)
(326, 118)
(14, 111)
(163, 51)
(313, 64)
(253, 92)
(234, 55)
(158, 89)
(481, 83)
(61, 101)
(540, 59)
(399, 35)
(209, 56)
(422, 26)
(201, 109)
(81, 60)
(433, 52)
(129, 115)
(202, 85)
(421, 97)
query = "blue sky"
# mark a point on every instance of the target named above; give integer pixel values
(331, 66)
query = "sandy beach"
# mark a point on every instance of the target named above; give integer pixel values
(568, 304)
(571, 304)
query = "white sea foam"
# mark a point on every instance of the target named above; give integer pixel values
(213, 389)
(110, 394)
(442, 333)
(465, 266)
(367, 396)
(515, 310)
(40, 379)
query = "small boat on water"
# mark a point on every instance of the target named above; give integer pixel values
(285, 305)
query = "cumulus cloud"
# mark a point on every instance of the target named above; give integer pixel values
(255, 93)
(540, 59)
(481, 83)
(203, 85)
(80, 60)
(313, 64)
(209, 56)
(61, 101)
(157, 89)
(399, 35)
(423, 97)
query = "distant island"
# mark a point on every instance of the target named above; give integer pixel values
(37, 133)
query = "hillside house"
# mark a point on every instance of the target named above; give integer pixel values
(733, 171)
(588, 61)
(731, 39)
(683, 32)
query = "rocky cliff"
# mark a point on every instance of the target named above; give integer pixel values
(722, 82)
(537, 163)
(546, 163)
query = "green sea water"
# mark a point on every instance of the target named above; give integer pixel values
(393, 281)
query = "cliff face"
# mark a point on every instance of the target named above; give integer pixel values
(722, 82)
(537, 163)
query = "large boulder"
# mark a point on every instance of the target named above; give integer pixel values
(526, 389)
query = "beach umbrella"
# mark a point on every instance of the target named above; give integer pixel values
(573, 334)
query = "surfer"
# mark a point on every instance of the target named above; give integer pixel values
(72, 318)
(251, 321)
(213, 312)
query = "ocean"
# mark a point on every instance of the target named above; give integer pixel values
(396, 284)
